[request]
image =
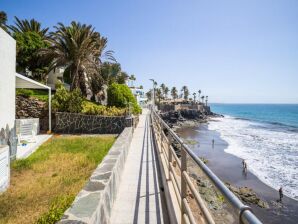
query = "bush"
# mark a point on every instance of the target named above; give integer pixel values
(24, 92)
(65, 101)
(95, 109)
(119, 95)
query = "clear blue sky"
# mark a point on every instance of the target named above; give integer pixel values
(243, 51)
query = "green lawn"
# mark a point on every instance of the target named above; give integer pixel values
(45, 184)
(42, 95)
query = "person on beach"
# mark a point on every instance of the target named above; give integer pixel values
(213, 143)
(244, 166)
(281, 194)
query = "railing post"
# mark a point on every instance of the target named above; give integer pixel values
(183, 181)
(170, 154)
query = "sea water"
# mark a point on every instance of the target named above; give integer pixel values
(266, 136)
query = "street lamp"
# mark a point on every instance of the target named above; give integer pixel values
(153, 93)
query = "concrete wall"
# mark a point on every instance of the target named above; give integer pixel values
(95, 201)
(4, 168)
(7, 81)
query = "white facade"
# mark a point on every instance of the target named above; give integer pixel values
(7, 104)
(140, 95)
(54, 76)
(7, 79)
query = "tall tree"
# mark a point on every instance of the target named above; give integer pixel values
(3, 20)
(149, 95)
(166, 92)
(194, 97)
(30, 38)
(23, 26)
(78, 47)
(203, 97)
(174, 93)
(159, 94)
(163, 87)
(199, 95)
(185, 92)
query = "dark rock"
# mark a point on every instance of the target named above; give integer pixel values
(247, 195)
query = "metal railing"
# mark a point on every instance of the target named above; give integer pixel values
(182, 181)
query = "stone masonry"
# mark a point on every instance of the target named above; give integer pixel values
(95, 201)
(71, 123)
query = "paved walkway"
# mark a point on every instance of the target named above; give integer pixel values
(139, 199)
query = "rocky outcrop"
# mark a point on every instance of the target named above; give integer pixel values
(29, 107)
(247, 195)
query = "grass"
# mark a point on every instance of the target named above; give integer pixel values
(42, 95)
(45, 184)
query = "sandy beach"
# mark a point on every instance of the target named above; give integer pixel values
(229, 169)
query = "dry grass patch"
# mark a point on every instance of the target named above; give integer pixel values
(45, 184)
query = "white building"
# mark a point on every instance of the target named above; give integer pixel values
(54, 76)
(7, 104)
(140, 95)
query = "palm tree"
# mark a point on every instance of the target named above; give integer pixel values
(194, 97)
(166, 91)
(77, 47)
(163, 87)
(174, 93)
(203, 97)
(159, 94)
(3, 20)
(185, 92)
(141, 87)
(199, 95)
(23, 26)
(132, 78)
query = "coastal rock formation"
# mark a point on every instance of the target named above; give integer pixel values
(247, 195)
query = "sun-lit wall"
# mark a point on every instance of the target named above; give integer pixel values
(7, 79)
(7, 105)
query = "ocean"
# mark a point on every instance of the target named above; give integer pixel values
(266, 136)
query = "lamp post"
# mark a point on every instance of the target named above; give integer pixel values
(153, 93)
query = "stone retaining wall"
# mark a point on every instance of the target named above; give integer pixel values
(72, 123)
(33, 108)
(95, 201)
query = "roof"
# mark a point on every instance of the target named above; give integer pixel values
(23, 82)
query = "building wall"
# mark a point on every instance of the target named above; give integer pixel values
(7, 105)
(7, 82)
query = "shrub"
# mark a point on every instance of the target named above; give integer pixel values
(95, 109)
(75, 103)
(24, 92)
(65, 101)
(120, 95)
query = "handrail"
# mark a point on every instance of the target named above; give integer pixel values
(245, 212)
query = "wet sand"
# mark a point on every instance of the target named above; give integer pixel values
(229, 169)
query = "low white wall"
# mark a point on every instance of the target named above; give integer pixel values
(7, 81)
(4, 168)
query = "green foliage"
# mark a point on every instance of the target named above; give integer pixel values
(75, 103)
(91, 108)
(65, 101)
(120, 95)
(41, 95)
(24, 92)
(28, 46)
(57, 208)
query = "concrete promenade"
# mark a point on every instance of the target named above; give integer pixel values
(140, 199)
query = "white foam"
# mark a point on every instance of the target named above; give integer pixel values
(271, 154)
